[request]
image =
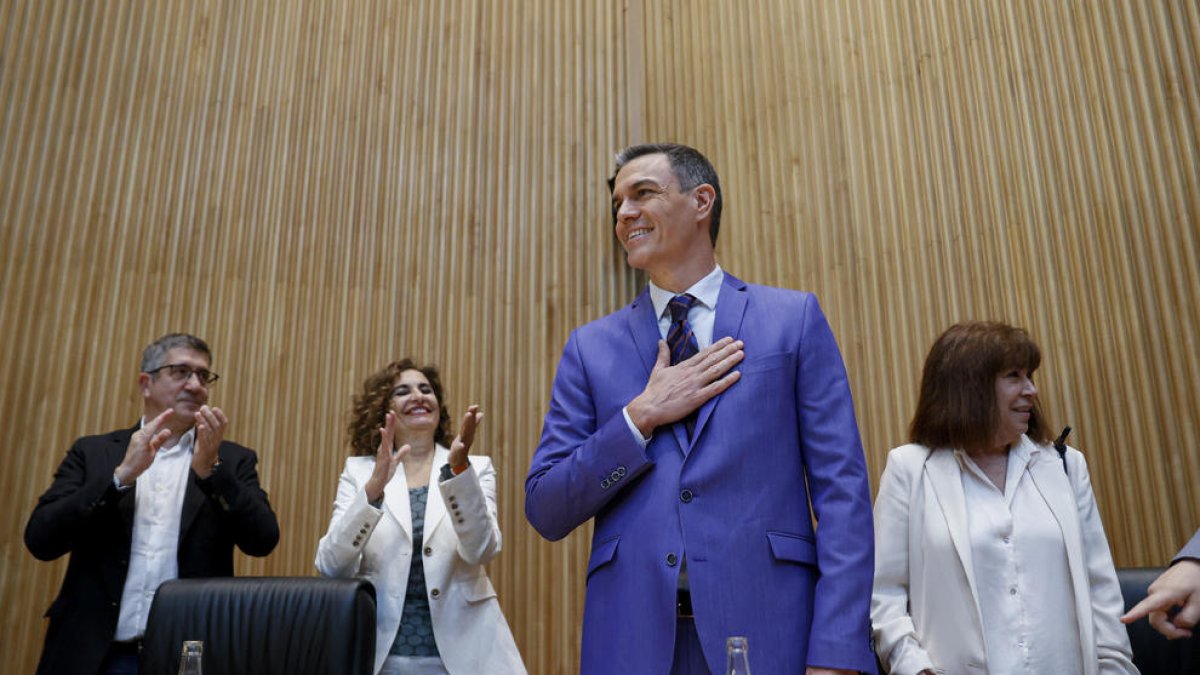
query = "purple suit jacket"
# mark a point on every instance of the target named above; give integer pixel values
(737, 498)
(1191, 550)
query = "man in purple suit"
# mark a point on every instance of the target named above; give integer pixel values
(704, 427)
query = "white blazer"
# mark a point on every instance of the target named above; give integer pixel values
(461, 534)
(925, 608)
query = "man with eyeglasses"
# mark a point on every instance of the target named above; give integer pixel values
(166, 499)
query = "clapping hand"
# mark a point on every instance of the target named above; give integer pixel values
(387, 458)
(464, 439)
(143, 445)
(210, 431)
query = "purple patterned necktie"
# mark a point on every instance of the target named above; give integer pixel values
(679, 336)
(682, 342)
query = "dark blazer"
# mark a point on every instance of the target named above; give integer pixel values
(85, 515)
(778, 445)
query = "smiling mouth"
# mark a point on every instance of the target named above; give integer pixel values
(418, 410)
(637, 234)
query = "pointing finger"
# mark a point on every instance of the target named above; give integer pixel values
(160, 420)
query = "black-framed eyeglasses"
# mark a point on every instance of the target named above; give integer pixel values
(180, 372)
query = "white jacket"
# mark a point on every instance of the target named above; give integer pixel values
(924, 607)
(461, 534)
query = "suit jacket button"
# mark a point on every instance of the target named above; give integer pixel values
(671, 560)
(434, 593)
(685, 496)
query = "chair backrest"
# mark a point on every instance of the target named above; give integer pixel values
(263, 625)
(1154, 654)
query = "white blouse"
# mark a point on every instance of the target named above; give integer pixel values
(1020, 564)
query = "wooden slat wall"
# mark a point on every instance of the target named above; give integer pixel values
(918, 164)
(320, 187)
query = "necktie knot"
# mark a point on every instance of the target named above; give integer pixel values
(679, 306)
(679, 336)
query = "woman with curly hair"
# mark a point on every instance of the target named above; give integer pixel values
(416, 516)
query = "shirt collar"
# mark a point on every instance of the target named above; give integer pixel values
(705, 291)
(1024, 451)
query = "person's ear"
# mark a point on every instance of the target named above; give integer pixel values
(143, 380)
(705, 196)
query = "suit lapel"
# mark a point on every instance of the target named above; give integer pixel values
(193, 499)
(396, 502)
(127, 502)
(731, 308)
(643, 326)
(1057, 491)
(435, 508)
(945, 479)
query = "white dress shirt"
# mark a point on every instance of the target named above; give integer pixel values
(154, 554)
(1020, 561)
(701, 316)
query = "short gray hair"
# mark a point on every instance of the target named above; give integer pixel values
(156, 352)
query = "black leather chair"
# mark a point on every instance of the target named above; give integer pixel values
(264, 625)
(1154, 654)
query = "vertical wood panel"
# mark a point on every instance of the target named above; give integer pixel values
(321, 187)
